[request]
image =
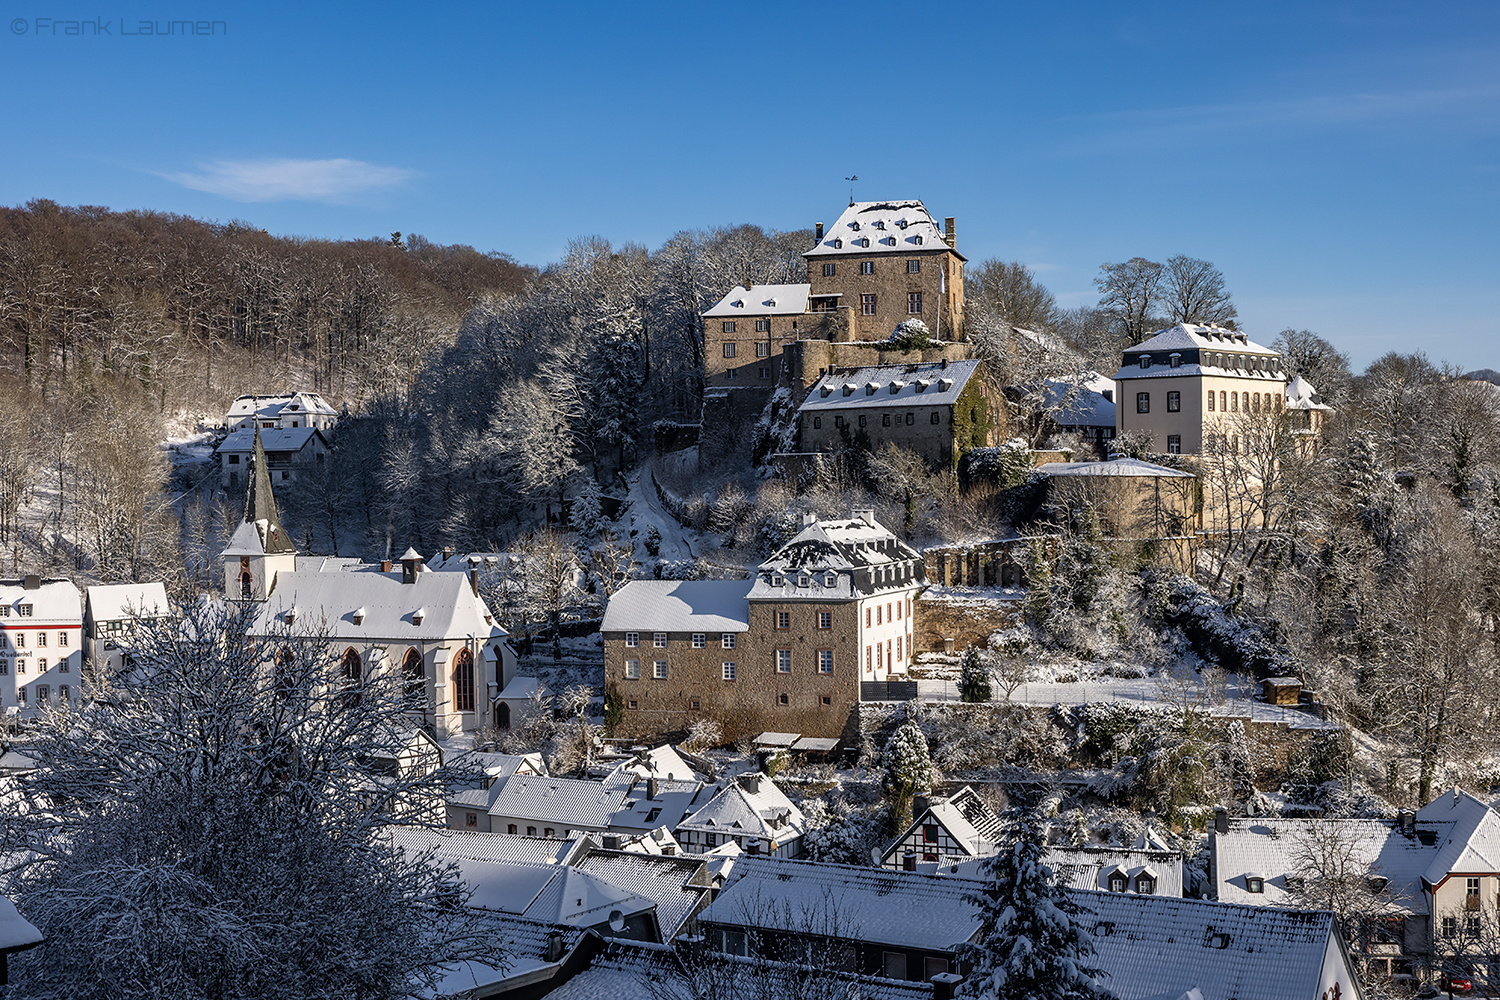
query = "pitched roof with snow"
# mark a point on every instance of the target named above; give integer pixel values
(677, 885)
(1091, 867)
(672, 803)
(549, 894)
(678, 606)
(328, 601)
(658, 762)
(242, 441)
(1472, 846)
(271, 406)
(887, 386)
(119, 601)
(1079, 401)
(1220, 352)
(1267, 848)
(1113, 467)
(53, 601)
(497, 848)
(842, 547)
(562, 803)
(760, 300)
(1303, 395)
(889, 227)
(748, 806)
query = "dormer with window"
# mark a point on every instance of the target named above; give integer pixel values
(1145, 361)
(1117, 880)
(1255, 883)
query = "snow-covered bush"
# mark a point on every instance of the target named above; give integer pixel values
(911, 335)
(974, 677)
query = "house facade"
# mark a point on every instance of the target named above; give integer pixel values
(744, 331)
(784, 651)
(111, 612)
(431, 629)
(937, 410)
(41, 644)
(1193, 385)
(287, 411)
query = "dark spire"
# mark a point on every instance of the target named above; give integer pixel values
(260, 503)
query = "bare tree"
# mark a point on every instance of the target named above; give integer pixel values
(1129, 292)
(1012, 293)
(1193, 292)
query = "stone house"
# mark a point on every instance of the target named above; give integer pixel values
(938, 411)
(785, 651)
(744, 331)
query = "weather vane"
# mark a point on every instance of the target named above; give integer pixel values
(851, 181)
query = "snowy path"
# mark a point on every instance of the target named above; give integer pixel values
(646, 510)
(1146, 691)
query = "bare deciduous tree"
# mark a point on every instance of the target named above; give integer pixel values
(1194, 292)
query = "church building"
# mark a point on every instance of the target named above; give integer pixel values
(432, 627)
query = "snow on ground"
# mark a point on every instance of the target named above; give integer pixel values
(972, 595)
(644, 511)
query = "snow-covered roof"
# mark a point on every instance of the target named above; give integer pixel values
(889, 227)
(624, 970)
(760, 300)
(562, 803)
(525, 945)
(503, 765)
(678, 606)
(119, 601)
(1267, 848)
(16, 932)
(677, 885)
(1091, 867)
(52, 601)
(523, 689)
(1152, 946)
(969, 822)
(1473, 843)
(1113, 467)
(1302, 395)
(1079, 401)
(268, 407)
(327, 601)
(748, 806)
(872, 905)
(549, 894)
(242, 441)
(1220, 352)
(498, 848)
(836, 546)
(886, 386)
(642, 811)
(658, 762)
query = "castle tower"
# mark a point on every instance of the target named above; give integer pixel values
(260, 547)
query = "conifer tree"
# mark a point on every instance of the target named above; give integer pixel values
(908, 768)
(1032, 944)
(973, 677)
(1038, 587)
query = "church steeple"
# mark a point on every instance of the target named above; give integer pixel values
(260, 504)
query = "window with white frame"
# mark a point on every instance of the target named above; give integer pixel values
(783, 619)
(632, 670)
(825, 619)
(659, 639)
(729, 669)
(632, 639)
(825, 661)
(783, 661)
(727, 641)
(914, 267)
(659, 669)
(867, 266)
(700, 640)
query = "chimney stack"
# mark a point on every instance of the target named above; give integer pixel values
(653, 789)
(818, 232)
(1221, 820)
(474, 574)
(909, 861)
(950, 235)
(919, 805)
(32, 582)
(945, 985)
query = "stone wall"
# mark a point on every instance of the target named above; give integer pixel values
(891, 282)
(949, 624)
(731, 419)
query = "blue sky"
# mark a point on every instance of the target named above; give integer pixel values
(1339, 162)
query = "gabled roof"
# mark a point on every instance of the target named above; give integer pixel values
(1090, 867)
(548, 894)
(1079, 401)
(119, 601)
(641, 811)
(882, 387)
(678, 606)
(967, 819)
(749, 806)
(497, 848)
(53, 601)
(890, 227)
(760, 300)
(328, 601)
(1473, 843)
(658, 762)
(677, 885)
(562, 803)
(242, 441)
(1303, 395)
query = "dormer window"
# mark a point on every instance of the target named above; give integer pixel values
(1145, 361)
(804, 581)
(1255, 884)
(854, 226)
(1117, 882)
(864, 241)
(1176, 360)
(825, 391)
(838, 244)
(359, 616)
(879, 225)
(777, 580)
(903, 223)
(917, 240)
(830, 579)
(1145, 885)
(418, 615)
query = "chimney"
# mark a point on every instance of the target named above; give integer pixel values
(385, 565)
(1221, 820)
(950, 236)
(1408, 820)
(945, 363)
(818, 232)
(653, 789)
(945, 985)
(32, 582)
(474, 574)
(752, 846)
(809, 519)
(909, 861)
(447, 552)
(611, 842)
(751, 783)
(865, 514)
(554, 946)
(919, 805)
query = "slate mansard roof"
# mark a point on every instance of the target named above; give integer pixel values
(890, 227)
(887, 386)
(760, 300)
(1220, 352)
(856, 546)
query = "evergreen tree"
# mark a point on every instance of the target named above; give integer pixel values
(908, 768)
(973, 677)
(1038, 587)
(588, 510)
(1032, 944)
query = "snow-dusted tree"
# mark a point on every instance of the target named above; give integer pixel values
(1032, 942)
(551, 574)
(213, 827)
(1131, 292)
(973, 676)
(538, 441)
(908, 768)
(587, 516)
(1038, 603)
(613, 563)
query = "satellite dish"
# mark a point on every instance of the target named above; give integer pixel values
(616, 921)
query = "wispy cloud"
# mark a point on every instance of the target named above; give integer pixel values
(290, 180)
